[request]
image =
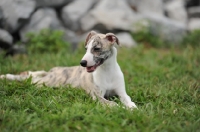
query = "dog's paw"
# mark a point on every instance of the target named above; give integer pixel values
(131, 106)
(110, 103)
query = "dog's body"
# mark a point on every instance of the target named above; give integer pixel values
(101, 78)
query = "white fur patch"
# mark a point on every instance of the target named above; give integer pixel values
(88, 55)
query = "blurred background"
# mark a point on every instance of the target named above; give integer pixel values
(43, 22)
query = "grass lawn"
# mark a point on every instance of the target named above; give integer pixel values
(164, 83)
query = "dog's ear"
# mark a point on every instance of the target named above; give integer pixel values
(90, 34)
(112, 38)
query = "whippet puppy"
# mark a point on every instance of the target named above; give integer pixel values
(99, 74)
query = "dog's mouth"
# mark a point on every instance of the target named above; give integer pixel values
(93, 68)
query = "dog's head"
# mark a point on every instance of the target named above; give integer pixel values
(98, 49)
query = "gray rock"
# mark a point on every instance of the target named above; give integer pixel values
(72, 12)
(51, 3)
(44, 18)
(126, 39)
(194, 11)
(141, 25)
(109, 15)
(133, 4)
(148, 6)
(162, 27)
(166, 29)
(194, 24)
(175, 10)
(1, 19)
(71, 37)
(6, 39)
(165, 1)
(16, 13)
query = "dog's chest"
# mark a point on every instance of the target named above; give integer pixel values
(106, 80)
(104, 83)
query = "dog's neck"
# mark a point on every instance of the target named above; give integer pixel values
(105, 75)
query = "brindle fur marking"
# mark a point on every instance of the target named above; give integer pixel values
(104, 50)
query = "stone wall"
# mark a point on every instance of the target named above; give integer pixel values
(168, 19)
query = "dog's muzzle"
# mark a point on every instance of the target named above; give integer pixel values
(91, 68)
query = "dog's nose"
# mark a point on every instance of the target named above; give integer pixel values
(83, 63)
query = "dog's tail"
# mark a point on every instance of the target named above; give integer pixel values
(23, 75)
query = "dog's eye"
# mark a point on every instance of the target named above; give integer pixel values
(97, 49)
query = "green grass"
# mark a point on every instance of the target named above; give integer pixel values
(164, 83)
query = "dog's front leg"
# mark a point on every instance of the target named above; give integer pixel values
(124, 98)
